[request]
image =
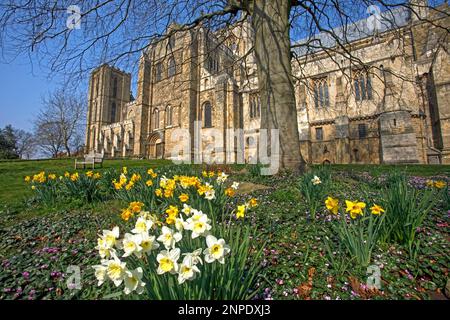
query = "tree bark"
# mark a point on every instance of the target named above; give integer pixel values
(270, 21)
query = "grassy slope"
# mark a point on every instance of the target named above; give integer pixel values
(12, 186)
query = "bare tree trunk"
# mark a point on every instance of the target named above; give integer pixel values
(270, 20)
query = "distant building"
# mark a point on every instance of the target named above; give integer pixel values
(395, 110)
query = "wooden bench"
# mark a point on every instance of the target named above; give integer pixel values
(90, 159)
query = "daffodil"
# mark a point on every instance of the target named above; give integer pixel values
(332, 205)
(27, 179)
(52, 176)
(142, 225)
(126, 214)
(130, 244)
(235, 185)
(97, 175)
(187, 271)
(200, 226)
(169, 237)
(221, 177)
(376, 209)
(89, 174)
(252, 203)
(111, 236)
(148, 243)
(149, 183)
(183, 197)
(104, 250)
(429, 183)
(240, 213)
(133, 281)
(124, 170)
(74, 177)
(172, 211)
(216, 251)
(440, 184)
(158, 192)
(194, 256)
(355, 208)
(186, 209)
(168, 261)
(136, 206)
(316, 180)
(100, 273)
(229, 192)
(116, 269)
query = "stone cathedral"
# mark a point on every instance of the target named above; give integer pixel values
(394, 110)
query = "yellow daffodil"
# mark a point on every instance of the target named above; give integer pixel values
(355, 208)
(172, 211)
(430, 183)
(332, 205)
(149, 183)
(27, 179)
(66, 174)
(252, 203)
(136, 206)
(158, 192)
(89, 174)
(97, 175)
(168, 193)
(124, 170)
(229, 192)
(376, 209)
(240, 213)
(152, 173)
(126, 214)
(129, 185)
(440, 184)
(183, 197)
(33, 187)
(74, 177)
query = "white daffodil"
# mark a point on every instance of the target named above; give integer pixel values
(187, 210)
(196, 215)
(130, 244)
(169, 237)
(316, 180)
(180, 224)
(210, 194)
(104, 250)
(199, 226)
(187, 271)
(217, 249)
(142, 225)
(168, 261)
(115, 269)
(235, 185)
(148, 243)
(100, 273)
(222, 177)
(194, 256)
(111, 236)
(133, 281)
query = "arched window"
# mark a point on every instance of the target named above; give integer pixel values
(169, 116)
(321, 95)
(207, 115)
(172, 42)
(255, 106)
(113, 112)
(363, 86)
(155, 119)
(172, 68)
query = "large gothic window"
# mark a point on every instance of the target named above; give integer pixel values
(172, 68)
(362, 86)
(255, 106)
(207, 115)
(321, 95)
(169, 116)
(155, 119)
(113, 112)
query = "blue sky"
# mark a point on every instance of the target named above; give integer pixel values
(21, 89)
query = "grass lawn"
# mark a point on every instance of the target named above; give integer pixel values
(302, 257)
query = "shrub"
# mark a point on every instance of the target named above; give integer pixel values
(45, 187)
